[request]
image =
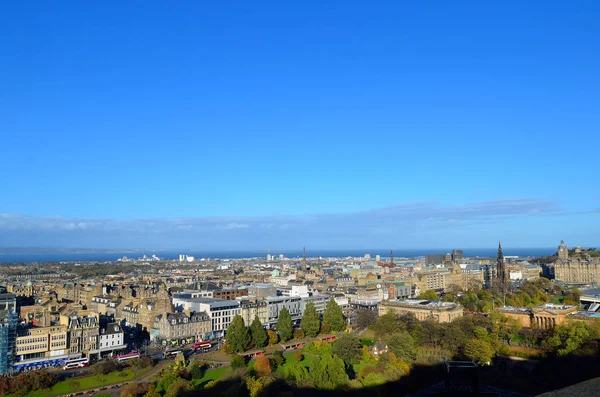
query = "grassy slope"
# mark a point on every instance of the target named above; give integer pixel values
(88, 382)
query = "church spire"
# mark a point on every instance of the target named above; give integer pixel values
(501, 269)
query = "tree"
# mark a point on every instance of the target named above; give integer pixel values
(277, 359)
(334, 316)
(402, 345)
(311, 323)
(238, 336)
(348, 348)
(273, 337)
(256, 386)
(197, 370)
(165, 382)
(298, 333)
(386, 325)
(429, 295)
(478, 350)
(284, 325)
(328, 372)
(366, 318)
(262, 366)
(152, 392)
(180, 388)
(296, 372)
(258, 333)
(134, 389)
(567, 338)
(238, 362)
(373, 379)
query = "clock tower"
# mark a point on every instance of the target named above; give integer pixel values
(563, 251)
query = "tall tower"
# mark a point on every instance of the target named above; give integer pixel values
(304, 258)
(563, 251)
(391, 257)
(501, 268)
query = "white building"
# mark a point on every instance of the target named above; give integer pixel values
(221, 312)
(111, 339)
(299, 290)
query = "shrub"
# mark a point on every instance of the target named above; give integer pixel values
(262, 366)
(277, 359)
(298, 333)
(238, 362)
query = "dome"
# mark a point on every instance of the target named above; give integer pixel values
(29, 283)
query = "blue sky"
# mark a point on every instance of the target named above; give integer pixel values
(277, 125)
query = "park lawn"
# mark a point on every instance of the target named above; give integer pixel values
(212, 374)
(289, 361)
(359, 366)
(88, 382)
(369, 333)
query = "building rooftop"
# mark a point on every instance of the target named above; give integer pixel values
(552, 306)
(213, 302)
(417, 303)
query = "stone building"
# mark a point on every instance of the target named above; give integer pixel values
(580, 268)
(177, 329)
(254, 308)
(442, 312)
(83, 329)
(545, 316)
(37, 345)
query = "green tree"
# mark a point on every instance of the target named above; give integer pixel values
(277, 359)
(296, 372)
(311, 323)
(567, 338)
(198, 369)
(386, 325)
(180, 388)
(284, 325)
(328, 372)
(165, 382)
(366, 318)
(238, 336)
(402, 345)
(430, 295)
(256, 386)
(334, 316)
(373, 379)
(258, 333)
(478, 350)
(348, 348)
(238, 361)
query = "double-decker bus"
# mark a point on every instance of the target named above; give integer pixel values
(76, 363)
(129, 356)
(203, 345)
(171, 353)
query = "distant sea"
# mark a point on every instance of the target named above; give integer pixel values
(110, 256)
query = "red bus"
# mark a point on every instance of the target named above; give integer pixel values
(202, 345)
(129, 356)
